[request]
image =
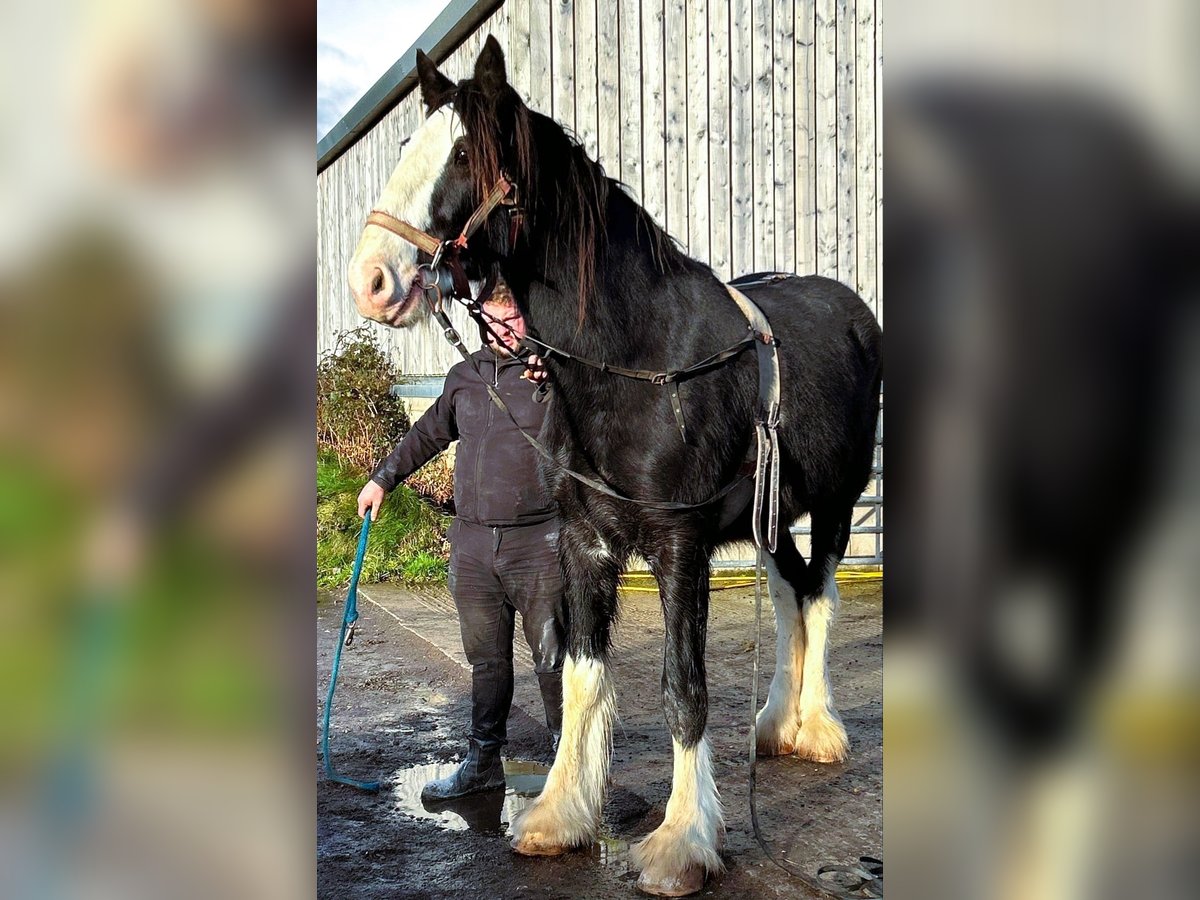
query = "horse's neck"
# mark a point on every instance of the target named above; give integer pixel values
(629, 316)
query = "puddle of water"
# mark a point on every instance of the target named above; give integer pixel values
(493, 811)
(488, 812)
(611, 853)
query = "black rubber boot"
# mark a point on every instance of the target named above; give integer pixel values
(482, 770)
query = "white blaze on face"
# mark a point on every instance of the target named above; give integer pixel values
(384, 265)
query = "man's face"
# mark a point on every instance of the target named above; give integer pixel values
(505, 321)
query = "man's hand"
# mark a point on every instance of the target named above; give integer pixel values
(535, 369)
(370, 497)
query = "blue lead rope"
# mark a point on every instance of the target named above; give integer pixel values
(347, 638)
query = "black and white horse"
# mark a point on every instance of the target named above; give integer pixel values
(593, 274)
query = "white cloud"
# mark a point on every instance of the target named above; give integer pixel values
(357, 41)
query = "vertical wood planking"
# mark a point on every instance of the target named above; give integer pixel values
(612, 116)
(783, 122)
(804, 95)
(347, 200)
(741, 139)
(328, 221)
(340, 193)
(678, 204)
(586, 80)
(539, 55)
(879, 182)
(825, 91)
(517, 51)
(697, 128)
(865, 148)
(763, 199)
(562, 65)
(451, 66)
(325, 216)
(719, 231)
(653, 111)
(630, 29)
(847, 167)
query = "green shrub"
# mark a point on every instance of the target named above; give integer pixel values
(407, 543)
(358, 419)
(434, 481)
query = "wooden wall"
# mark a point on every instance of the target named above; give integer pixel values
(749, 130)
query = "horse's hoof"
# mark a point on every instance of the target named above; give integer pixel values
(775, 731)
(773, 747)
(823, 740)
(534, 844)
(689, 881)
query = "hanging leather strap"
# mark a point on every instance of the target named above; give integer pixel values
(766, 474)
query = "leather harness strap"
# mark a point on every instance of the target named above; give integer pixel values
(766, 475)
(759, 336)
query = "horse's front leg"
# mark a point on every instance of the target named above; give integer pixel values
(676, 857)
(567, 812)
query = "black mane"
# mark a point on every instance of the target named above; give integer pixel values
(558, 184)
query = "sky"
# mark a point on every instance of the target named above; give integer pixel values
(359, 40)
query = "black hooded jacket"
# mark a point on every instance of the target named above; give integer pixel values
(495, 468)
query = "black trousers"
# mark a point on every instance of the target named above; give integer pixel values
(496, 572)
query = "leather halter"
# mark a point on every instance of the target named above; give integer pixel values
(500, 193)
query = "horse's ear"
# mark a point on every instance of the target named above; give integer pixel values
(490, 74)
(436, 88)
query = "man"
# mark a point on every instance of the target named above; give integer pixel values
(504, 539)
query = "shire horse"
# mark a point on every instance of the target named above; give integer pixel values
(594, 275)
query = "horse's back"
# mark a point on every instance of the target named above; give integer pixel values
(810, 314)
(830, 350)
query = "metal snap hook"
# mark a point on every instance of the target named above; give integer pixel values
(437, 256)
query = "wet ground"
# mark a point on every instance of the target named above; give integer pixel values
(401, 715)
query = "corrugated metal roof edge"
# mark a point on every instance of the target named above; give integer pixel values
(439, 40)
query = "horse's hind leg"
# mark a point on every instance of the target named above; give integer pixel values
(779, 720)
(676, 857)
(822, 736)
(567, 812)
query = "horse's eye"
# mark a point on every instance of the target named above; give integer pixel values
(460, 155)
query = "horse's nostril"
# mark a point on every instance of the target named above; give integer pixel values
(377, 282)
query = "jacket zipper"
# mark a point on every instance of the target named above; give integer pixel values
(487, 433)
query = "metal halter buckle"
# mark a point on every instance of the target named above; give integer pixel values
(437, 257)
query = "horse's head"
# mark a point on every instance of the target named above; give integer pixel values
(444, 172)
